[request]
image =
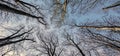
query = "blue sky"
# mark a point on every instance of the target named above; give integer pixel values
(95, 13)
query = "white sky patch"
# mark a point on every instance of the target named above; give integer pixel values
(14, 53)
(3, 26)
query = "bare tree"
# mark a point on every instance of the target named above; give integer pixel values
(49, 45)
(74, 43)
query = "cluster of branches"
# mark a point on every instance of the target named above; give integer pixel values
(15, 37)
(70, 41)
(49, 46)
(18, 36)
(11, 7)
(105, 35)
